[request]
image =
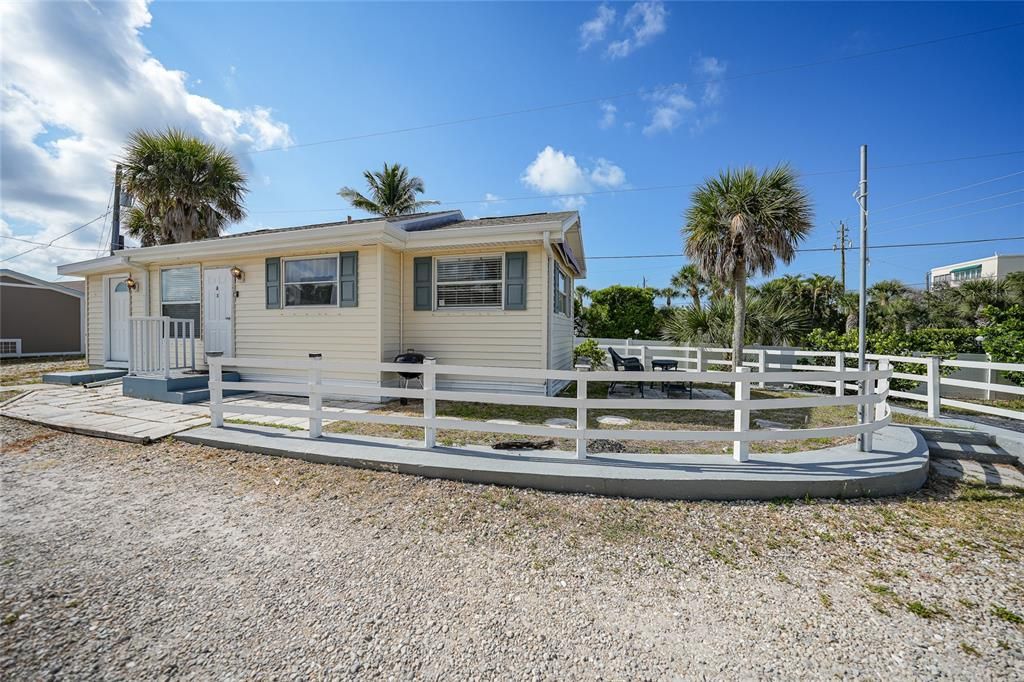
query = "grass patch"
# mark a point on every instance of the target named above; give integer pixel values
(826, 600)
(922, 611)
(246, 422)
(969, 650)
(15, 371)
(1007, 615)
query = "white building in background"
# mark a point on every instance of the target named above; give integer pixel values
(993, 267)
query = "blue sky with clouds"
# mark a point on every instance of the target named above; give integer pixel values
(666, 94)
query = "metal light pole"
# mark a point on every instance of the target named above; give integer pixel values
(862, 310)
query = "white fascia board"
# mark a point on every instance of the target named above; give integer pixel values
(41, 283)
(483, 235)
(93, 266)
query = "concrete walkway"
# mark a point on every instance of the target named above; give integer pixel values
(898, 465)
(105, 413)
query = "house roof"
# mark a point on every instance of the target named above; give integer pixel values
(437, 229)
(60, 287)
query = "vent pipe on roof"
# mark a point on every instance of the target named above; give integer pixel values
(349, 218)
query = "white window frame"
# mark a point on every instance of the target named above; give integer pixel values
(556, 292)
(967, 274)
(197, 324)
(313, 306)
(466, 256)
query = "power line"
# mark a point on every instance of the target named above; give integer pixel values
(954, 217)
(19, 255)
(948, 191)
(641, 91)
(628, 190)
(817, 250)
(946, 208)
(53, 246)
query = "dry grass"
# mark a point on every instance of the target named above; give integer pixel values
(16, 371)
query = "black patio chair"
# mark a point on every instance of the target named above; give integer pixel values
(625, 364)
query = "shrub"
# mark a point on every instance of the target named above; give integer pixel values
(616, 311)
(1004, 337)
(589, 350)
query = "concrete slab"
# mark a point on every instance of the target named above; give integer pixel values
(85, 376)
(899, 464)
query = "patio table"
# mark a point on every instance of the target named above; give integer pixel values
(667, 365)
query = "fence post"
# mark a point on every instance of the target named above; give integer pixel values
(165, 346)
(868, 410)
(429, 403)
(216, 392)
(882, 387)
(841, 369)
(581, 410)
(741, 418)
(700, 359)
(316, 399)
(192, 334)
(762, 365)
(643, 357)
(934, 386)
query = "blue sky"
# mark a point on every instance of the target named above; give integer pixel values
(287, 74)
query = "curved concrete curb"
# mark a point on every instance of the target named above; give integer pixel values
(899, 464)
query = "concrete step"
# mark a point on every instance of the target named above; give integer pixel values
(979, 472)
(197, 395)
(86, 376)
(171, 390)
(951, 435)
(981, 452)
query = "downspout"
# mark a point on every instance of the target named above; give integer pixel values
(546, 305)
(401, 301)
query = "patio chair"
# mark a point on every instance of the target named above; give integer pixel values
(625, 364)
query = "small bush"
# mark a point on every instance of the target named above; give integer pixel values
(589, 350)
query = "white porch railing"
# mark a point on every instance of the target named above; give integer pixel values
(158, 345)
(874, 417)
(786, 360)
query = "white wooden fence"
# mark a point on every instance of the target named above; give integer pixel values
(158, 345)
(874, 411)
(772, 360)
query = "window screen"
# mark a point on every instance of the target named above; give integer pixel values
(180, 293)
(561, 292)
(311, 281)
(470, 282)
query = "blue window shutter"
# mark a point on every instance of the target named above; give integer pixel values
(515, 280)
(273, 283)
(348, 279)
(422, 283)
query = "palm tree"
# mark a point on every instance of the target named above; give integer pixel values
(582, 294)
(741, 224)
(392, 192)
(769, 322)
(849, 305)
(688, 279)
(668, 293)
(184, 188)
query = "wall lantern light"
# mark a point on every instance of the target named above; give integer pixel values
(237, 273)
(131, 283)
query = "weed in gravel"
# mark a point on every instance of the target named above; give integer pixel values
(922, 611)
(11, 618)
(969, 650)
(967, 603)
(826, 600)
(878, 588)
(1007, 615)
(246, 422)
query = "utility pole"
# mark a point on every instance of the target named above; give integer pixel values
(862, 199)
(842, 244)
(115, 219)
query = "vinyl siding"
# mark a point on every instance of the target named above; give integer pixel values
(391, 304)
(497, 338)
(96, 325)
(560, 341)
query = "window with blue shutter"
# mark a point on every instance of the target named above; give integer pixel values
(515, 280)
(422, 282)
(273, 283)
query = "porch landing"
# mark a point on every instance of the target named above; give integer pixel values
(898, 465)
(85, 376)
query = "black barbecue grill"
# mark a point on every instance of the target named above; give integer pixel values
(409, 358)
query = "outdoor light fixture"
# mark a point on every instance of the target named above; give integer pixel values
(131, 283)
(237, 273)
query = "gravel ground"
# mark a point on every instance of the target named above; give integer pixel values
(127, 561)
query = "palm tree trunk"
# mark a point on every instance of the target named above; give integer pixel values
(695, 295)
(739, 322)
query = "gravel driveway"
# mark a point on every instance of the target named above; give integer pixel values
(129, 561)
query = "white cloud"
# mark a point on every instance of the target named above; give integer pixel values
(491, 197)
(671, 104)
(608, 111)
(555, 172)
(594, 30)
(607, 174)
(712, 70)
(76, 79)
(644, 21)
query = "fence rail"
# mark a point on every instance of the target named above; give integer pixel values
(158, 345)
(873, 415)
(773, 360)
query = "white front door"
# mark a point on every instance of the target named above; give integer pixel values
(119, 312)
(218, 308)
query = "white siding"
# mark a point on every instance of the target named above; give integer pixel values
(560, 341)
(96, 323)
(391, 304)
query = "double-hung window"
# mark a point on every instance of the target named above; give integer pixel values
(470, 282)
(311, 281)
(561, 292)
(964, 274)
(180, 294)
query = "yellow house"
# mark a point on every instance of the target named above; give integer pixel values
(485, 292)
